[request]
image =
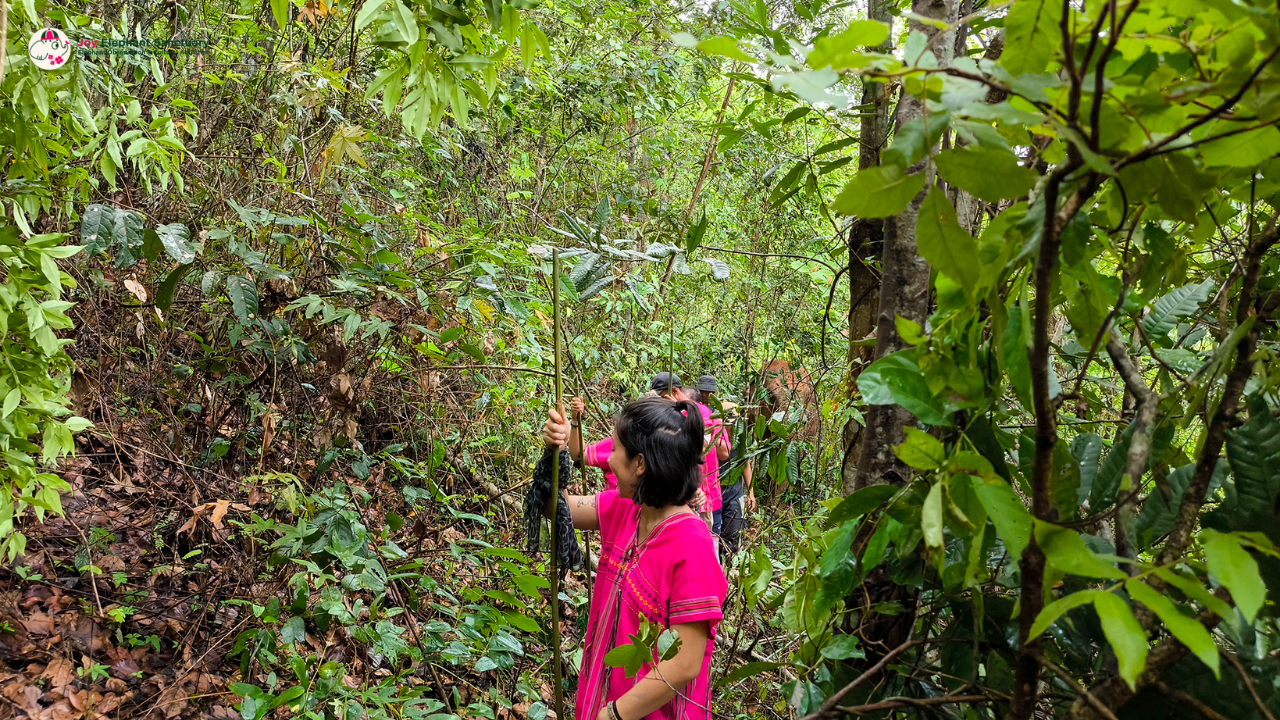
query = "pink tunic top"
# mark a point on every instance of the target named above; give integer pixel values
(711, 464)
(598, 456)
(672, 578)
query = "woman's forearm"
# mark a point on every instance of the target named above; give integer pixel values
(670, 676)
(655, 690)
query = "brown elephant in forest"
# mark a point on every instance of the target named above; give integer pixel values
(784, 387)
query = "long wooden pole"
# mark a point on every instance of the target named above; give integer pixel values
(586, 540)
(555, 494)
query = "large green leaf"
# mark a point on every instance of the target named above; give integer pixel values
(872, 383)
(1127, 638)
(1013, 354)
(921, 450)
(991, 175)
(1064, 481)
(1171, 308)
(912, 141)
(1031, 35)
(948, 248)
(1056, 609)
(1086, 448)
(164, 296)
(1253, 449)
(244, 298)
(860, 503)
(176, 240)
(931, 517)
(1106, 482)
(1066, 551)
(725, 47)
(1007, 513)
(1234, 567)
(128, 236)
(910, 390)
(1191, 587)
(96, 228)
(1158, 511)
(841, 51)
(1241, 149)
(878, 192)
(1180, 621)
(810, 86)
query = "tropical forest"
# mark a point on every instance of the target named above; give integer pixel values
(623, 359)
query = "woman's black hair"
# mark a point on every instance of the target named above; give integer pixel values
(669, 435)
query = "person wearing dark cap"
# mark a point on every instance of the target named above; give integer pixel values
(717, 444)
(738, 499)
(707, 389)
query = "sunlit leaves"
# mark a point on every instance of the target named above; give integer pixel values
(811, 86)
(841, 51)
(1231, 563)
(1127, 638)
(947, 247)
(725, 47)
(1066, 551)
(988, 174)
(1007, 513)
(1180, 622)
(1241, 149)
(1031, 35)
(878, 192)
(345, 144)
(921, 450)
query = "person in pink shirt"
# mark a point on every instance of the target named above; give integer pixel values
(657, 562)
(597, 454)
(716, 444)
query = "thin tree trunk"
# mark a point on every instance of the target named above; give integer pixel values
(864, 237)
(904, 279)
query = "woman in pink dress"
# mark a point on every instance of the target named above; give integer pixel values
(657, 562)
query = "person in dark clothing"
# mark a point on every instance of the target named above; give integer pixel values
(739, 499)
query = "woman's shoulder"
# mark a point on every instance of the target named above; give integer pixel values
(688, 529)
(613, 511)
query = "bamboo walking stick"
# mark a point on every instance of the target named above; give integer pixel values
(555, 494)
(582, 466)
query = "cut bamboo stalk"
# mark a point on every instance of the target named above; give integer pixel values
(555, 494)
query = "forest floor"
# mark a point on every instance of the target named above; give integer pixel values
(150, 634)
(158, 630)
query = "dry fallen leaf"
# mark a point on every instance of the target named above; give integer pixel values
(136, 288)
(60, 673)
(219, 511)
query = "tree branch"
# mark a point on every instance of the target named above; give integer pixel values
(899, 702)
(1235, 662)
(1075, 687)
(1225, 416)
(1190, 701)
(829, 707)
(1139, 442)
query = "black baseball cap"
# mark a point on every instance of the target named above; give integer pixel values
(664, 381)
(707, 383)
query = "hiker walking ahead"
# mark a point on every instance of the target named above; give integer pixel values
(657, 562)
